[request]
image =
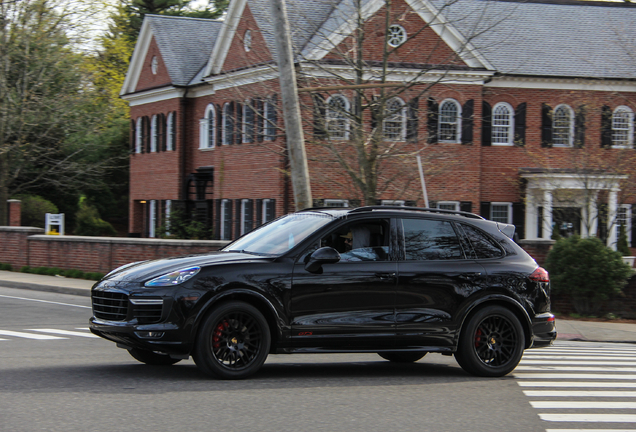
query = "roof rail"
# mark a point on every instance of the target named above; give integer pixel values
(420, 209)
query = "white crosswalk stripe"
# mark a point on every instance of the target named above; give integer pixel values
(65, 333)
(50, 334)
(581, 386)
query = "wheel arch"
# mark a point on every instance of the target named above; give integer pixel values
(506, 302)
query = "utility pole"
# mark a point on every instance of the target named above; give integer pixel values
(291, 107)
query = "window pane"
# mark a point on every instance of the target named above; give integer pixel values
(483, 245)
(621, 126)
(430, 240)
(337, 122)
(562, 123)
(499, 213)
(501, 125)
(448, 115)
(393, 124)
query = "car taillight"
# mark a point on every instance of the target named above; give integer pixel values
(540, 275)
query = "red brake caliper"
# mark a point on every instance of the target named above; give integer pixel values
(477, 337)
(216, 344)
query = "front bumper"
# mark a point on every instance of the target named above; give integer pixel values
(543, 330)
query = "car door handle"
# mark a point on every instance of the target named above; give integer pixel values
(385, 275)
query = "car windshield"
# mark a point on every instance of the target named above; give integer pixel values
(280, 235)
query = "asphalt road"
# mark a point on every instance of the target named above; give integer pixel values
(78, 383)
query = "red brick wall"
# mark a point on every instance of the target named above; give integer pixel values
(147, 79)
(15, 212)
(14, 241)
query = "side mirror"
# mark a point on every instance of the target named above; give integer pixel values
(324, 255)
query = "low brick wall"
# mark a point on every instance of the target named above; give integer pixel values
(22, 246)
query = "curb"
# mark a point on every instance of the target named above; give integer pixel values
(48, 288)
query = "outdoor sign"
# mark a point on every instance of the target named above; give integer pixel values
(54, 224)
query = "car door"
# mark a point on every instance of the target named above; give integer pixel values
(435, 276)
(348, 304)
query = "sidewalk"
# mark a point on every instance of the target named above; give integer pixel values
(567, 329)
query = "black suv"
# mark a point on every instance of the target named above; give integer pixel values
(399, 281)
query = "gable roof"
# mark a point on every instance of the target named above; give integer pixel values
(185, 45)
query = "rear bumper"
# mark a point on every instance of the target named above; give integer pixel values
(543, 330)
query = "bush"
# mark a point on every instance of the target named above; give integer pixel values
(622, 246)
(6, 267)
(34, 209)
(89, 223)
(587, 271)
(181, 227)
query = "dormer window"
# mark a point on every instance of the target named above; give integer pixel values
(397, 35)
(154, 65)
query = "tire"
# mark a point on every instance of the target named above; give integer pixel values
(491, 343)
(152, 358)
(233, 341)
(402, 357)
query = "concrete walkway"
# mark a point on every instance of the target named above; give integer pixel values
(567, 329)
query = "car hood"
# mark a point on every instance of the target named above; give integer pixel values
(144, 270)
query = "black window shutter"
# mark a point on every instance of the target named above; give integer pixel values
(519, 219)
(318, 202)
(238, 126)
(320, 111)
(432, 204)
(239, 214)
(274, 102)
(271, 210)
(520, 124)
(173, 130)
(147, 133)
(484, 209)
(486, 124)
(633, 239)
(579, 127)
(546, 125)
(606, 127)
(467, 121)
(164, 130)
(433, 115)
(466, 206)
(410, 203)
(260, 120)
(259, 213)
(232, 126)
(133, 136)
(412, 119)
(219, 125)
(249, 216)
(217, 218)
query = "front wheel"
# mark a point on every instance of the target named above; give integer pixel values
(491, 342)
(152, 358)
(233, 341)
(402, 356)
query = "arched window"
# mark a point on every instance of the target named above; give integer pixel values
(502, 124)
(450, 123)
(394, 123)
(337, 117)
(623, 127)
(171, 130)
(139, 135)
(562, 126)
(207, 128)
(154, 133)
(248, 121)
(228, 123)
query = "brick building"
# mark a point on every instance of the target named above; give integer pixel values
(522, 112)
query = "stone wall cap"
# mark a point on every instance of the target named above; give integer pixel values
(22, 229)
(128, 240)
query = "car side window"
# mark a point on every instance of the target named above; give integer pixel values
(366, 240)
(426, 239)
(482, 244)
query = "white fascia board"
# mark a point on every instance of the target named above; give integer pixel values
(398, 74)
(562, 84)
(449, 34)
(155, 95)
(137, 59)
(582, 181)
(226, 35)
(333, 39)
(241, 78)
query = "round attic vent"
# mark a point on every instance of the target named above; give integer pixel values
(397, 35)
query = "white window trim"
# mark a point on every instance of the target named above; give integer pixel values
(402, 120)
(243, 205)
(224, 119)
(337, 201)
(169, 127)
(400, 203)
(167, 215)
(264, 210)
(511, 130)
(458, 139)
(153, 133)
(268, 108)
(138, 134)
(224, 203)
(347, 110)
(204, 138)
(630, 132)
(572, 121)
(455, 203)
(508, 204)
(247, 105)
(152, 218)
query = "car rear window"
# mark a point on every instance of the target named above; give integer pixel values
(483, 246)
(426, 239)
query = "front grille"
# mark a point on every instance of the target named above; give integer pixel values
(110, 306)
(148, 314)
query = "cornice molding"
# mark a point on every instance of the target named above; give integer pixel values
(556, 83)
(154, 95)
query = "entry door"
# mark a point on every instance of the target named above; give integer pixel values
(566, 221)
(350, 304)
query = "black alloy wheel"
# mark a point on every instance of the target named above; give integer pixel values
(402, 356)
(152, 358)
(491, 343)
(233, 341)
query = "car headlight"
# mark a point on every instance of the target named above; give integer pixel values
(174, 278)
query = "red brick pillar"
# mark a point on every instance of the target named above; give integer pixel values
(15, 212)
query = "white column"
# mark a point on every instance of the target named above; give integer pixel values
(531, 215)
(547, 214)
(611, 219)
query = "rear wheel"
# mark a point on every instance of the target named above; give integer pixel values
(233, 341)
(152, 358)
(491, 342)
(402, 357)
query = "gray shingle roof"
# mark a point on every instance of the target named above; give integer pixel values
(185, 44)
(571, 39)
